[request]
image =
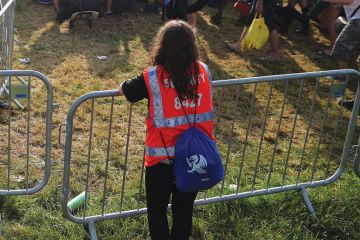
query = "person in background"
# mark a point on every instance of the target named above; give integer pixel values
(347, 45)
(192, 9)
(178, 87)
(186, 10)
(216, 19)
(108, 8)
(326, 14)
(327, 18)
(268, 9)
(289, 13)
(56, 5)
(304, 4)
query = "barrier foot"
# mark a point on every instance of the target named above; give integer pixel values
(356, 148)
(1, 221)
(308, 202)
(91, 230)
(357, 166)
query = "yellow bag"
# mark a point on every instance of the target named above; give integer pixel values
(257, 35)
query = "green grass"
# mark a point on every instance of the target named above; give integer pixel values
(68, 58)
(278, 216)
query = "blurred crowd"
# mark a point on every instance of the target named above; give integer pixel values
(340, 19)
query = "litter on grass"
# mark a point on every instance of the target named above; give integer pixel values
(102, 58)
(24, 60)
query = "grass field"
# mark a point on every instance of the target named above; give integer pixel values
(68, 59)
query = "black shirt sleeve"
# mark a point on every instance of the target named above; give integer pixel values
(135, 89)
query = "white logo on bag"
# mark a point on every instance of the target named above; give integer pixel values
(197, 163)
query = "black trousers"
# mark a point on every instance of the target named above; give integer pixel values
(160, 184)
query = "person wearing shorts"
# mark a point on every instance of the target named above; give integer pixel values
(347, 45)
(268, 9)
(56, 5)
(186, 10)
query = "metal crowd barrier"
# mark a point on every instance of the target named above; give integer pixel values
(25, 139)
(268, 145)
(7, 18)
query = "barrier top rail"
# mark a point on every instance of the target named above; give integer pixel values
(280, 77)
(219, 83)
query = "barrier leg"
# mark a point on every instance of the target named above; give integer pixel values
(91, 230)
(357, 159)
(307, 201)
(357, 165)
(0, 223)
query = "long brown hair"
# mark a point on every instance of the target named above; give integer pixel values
(175, 48)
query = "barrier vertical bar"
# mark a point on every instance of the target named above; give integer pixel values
(262, 137)
(218, 112)
(9, 137)
(246, 137)
(28, 134)
(277, 132)
(230, 138)
(309, 122)
(141, 180)
(292, 132)
(321, 135)
(126, 158)
(107, 155)
(89, 157)
(338, 120)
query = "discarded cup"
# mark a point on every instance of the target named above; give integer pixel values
(77, 201)
(102, 58)
(24, 60)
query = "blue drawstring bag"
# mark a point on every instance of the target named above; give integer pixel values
(197, 163)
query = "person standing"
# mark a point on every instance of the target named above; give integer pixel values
(347, 45)
(108, 8)
(268, 9)
(192, 11)
(178, 89)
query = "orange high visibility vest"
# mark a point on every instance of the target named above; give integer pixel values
(166, 114)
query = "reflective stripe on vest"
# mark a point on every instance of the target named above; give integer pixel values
(159, 119)
(160, 151)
